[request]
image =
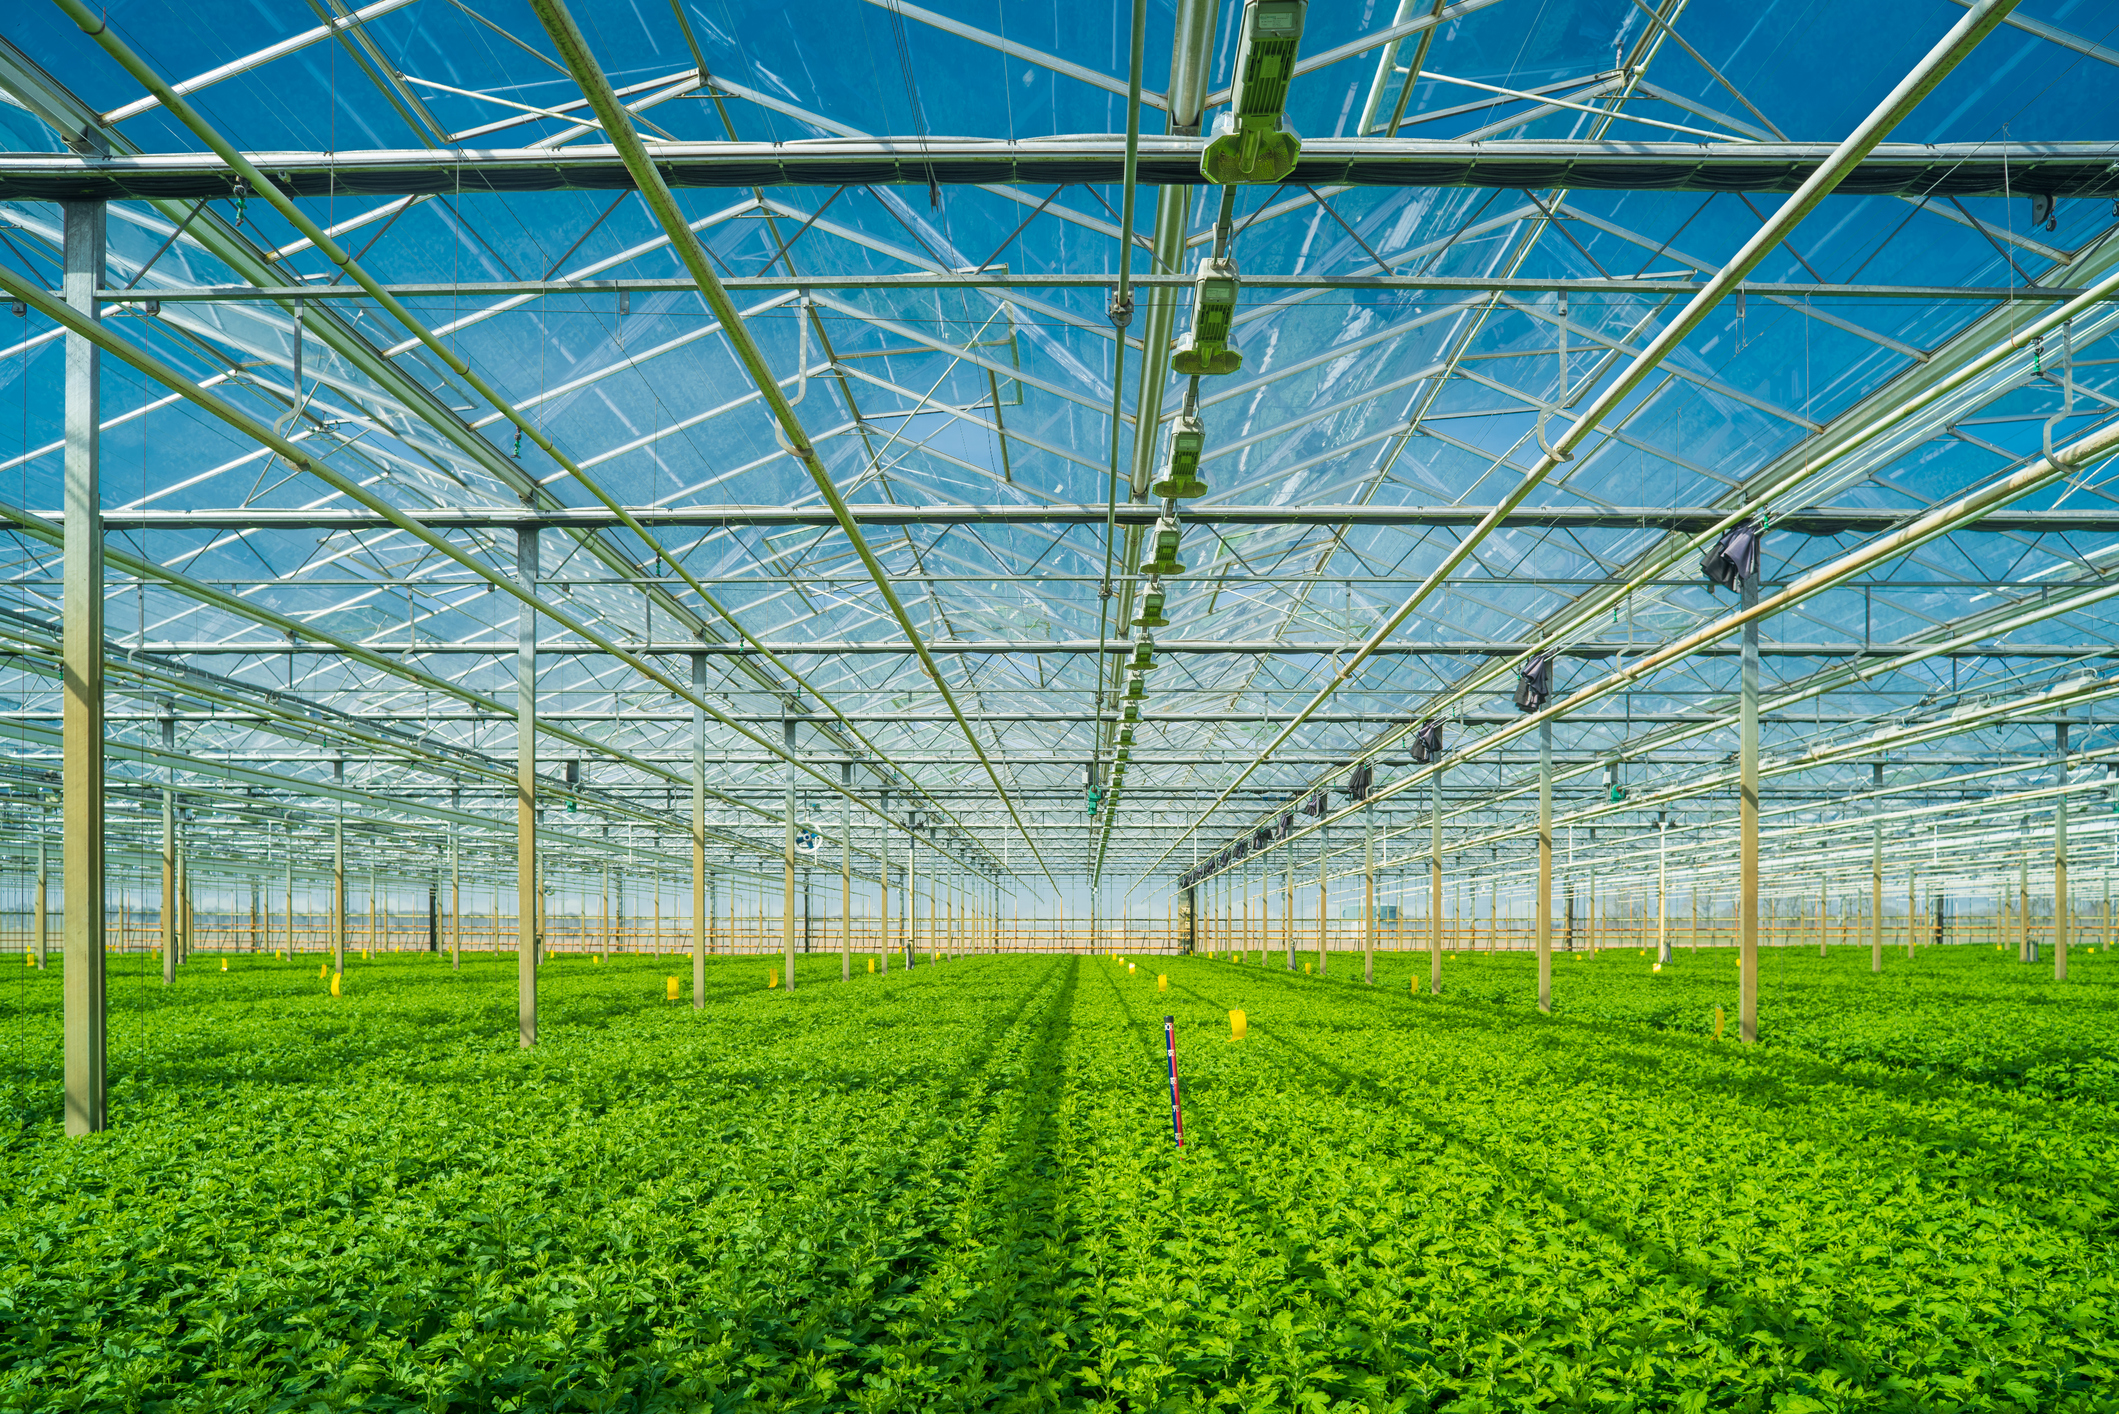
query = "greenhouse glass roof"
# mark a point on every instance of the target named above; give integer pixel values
(401, 349)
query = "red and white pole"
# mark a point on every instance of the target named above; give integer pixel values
(1177, 1113)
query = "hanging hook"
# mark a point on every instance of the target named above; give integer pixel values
(802, 356)
(1548, 448)
(2067, 384)
(301, 401)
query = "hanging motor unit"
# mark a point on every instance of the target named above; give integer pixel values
(1427, 742)
(1181, 477)
(1734, 557)
(1205, 350)
(1252, 140)
(1151, 607)
(1534, 683)
(1358, 782)
(1162, 548)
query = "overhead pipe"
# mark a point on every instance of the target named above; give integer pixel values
(1121, 315)
(68, 114)
(123, 657)
(295, 457)
(1759, 494)
(255, 180)
(334, 726)
(2078, 692)
(1979, 21)
(1191, 59)
(2101, 443)
(588, 75)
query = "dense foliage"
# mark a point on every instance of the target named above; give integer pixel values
(955, 1189)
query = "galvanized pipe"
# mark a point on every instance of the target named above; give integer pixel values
(588, 74)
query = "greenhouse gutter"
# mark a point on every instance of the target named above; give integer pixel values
(1960, 41)
(588, 76)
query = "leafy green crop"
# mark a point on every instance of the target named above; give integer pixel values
(955, 1189)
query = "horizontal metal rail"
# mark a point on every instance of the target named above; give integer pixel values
(2058, 169)
(1815, 520)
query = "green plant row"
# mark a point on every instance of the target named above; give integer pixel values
(956, 1188)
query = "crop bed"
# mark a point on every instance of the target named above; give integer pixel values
(956, 1189)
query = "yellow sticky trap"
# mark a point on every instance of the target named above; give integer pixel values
(1130, 967)
(871, 967)
(224, 964)
(1719, 1018)
(772, 979)
(1237, 1021)
(336, 978)
(1412, 986)
(599, 957)
(29, 959)
(1305, 969)
(1657, 968)
(1162, 981)
(673, 989)
(323, 970)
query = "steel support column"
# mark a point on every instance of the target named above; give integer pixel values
(1662, 891)
(43, 921)
(169, 860)
(2060, 894)
(1544, 901)
(1747, 822)
(787, 860)
(528, 889)
(456, 894)
(885, 923)
(81, 772)
(1876, 873)
(1368, 902)
(699, 899)
(1287, 912)
(338, 871)
(1434, 888)
(1324, 925)
(846, 873)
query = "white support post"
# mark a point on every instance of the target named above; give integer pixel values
(846, 873)
(1434, 889)
(1368, 901)
(169, 859)
(81, 683)
(1544, 900)
(787, 860)
(1747, 902)
(701, 904)
(528, 892)
(2060, 893)
(1876, 872)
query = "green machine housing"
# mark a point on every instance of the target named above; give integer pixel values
(1252, 140)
